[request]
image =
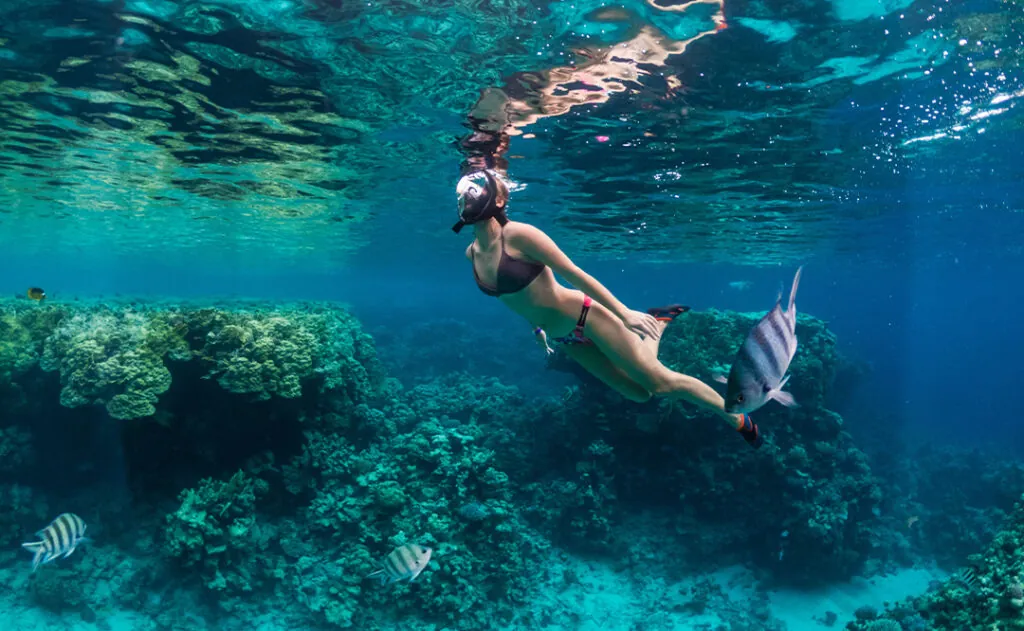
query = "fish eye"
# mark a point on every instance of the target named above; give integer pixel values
(739, 397)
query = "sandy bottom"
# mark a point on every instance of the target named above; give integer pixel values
(596, 598)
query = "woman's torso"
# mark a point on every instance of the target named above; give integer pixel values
(502, 269)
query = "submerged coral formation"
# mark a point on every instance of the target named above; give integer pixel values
(121, 357)
(113, 358)
(273, 465)
(215, 530)
(986, 593)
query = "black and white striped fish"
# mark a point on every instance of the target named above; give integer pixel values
(61, 537)
(405, 562)
(759, 370)
(968, 578)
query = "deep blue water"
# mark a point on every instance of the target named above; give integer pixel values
(941, 332)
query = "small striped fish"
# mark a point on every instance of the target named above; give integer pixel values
(968, 578)
(406, 562)
(61, 537)
(759, 371)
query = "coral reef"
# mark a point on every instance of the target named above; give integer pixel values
(111, 358)
(18, 350)
(278, 466)
(987, 592)
(22, 506)
(816, 500)
(957, 498)
(407, 473)
(16, 449)
(215, 530)
(121, 356)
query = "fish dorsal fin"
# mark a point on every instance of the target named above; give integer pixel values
(792, 292)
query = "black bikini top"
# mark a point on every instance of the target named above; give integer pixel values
(513, 274)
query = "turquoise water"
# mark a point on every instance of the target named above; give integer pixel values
(262, 365)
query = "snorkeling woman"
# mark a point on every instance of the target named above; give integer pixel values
(515, 262)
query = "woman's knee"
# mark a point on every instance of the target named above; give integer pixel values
(668, 382)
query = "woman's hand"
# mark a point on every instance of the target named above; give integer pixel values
(643, 324)
(542, 340)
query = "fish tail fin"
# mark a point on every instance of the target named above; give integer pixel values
(380, 575)
(35, 547)
(792, 292)
(785, 398)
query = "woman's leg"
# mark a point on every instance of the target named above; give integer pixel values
(638, 360)
(664, 315)
(651, 344)
(596, 363)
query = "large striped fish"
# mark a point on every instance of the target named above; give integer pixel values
(759, 370)
(61, 537)
(405, 562)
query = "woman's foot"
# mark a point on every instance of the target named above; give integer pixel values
(669, 313)
(748, 429)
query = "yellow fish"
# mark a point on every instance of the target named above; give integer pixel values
(36, 293)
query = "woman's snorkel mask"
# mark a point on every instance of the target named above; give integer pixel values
(478, 200)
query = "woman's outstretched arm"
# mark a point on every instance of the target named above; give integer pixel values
(539, 246)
